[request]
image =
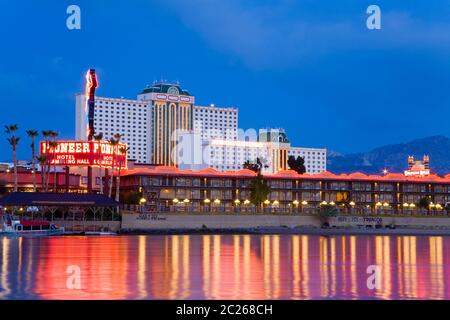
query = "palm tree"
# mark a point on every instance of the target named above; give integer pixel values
(123, 151)
(13, 141)
(114, 142)
(32, 134)
(53, 145)
(42, 159)
(99, 138)
(46, 134)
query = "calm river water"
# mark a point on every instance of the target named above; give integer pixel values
(224, 267)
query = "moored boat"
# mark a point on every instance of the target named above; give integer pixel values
(16, 227)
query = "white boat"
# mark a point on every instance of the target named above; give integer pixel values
(15, 227)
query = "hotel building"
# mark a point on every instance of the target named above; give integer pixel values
(154, 124)
(216, 122)
(271, 146)
(171, 113)
(315, 159)
(132, 118)
(209, 190)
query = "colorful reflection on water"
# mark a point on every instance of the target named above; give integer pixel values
(225, 267)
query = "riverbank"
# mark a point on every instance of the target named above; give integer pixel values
(294, 231)
(221, 223)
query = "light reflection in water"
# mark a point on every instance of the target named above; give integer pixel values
(225, 267)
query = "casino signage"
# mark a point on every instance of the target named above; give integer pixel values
(85, 153)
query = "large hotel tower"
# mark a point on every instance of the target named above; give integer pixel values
(172, 113)
(165, 113)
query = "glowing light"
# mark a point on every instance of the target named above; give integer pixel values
(352, 203)
(304, 202)
(295, 202)
(275, 203)
(175, 200)
(217, 201)
(385, 204)
(142, 201)
(378, 204)
(247, 201)
(412, 205)
(186, 200)
(206, 201)
(332, 203)
(405, 205)
(237, 201)
(266, 202)
(323, 203)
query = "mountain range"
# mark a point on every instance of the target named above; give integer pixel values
(394, 157)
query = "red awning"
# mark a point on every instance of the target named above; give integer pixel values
(30, 223)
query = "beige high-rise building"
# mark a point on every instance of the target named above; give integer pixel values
(172, 113)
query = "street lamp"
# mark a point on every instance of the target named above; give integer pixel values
(142, 202)
(207, 205)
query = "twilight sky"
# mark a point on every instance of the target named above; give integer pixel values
(309, 66)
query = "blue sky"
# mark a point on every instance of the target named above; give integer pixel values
(309, 66)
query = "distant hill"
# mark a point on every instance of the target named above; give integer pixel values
(394, 157)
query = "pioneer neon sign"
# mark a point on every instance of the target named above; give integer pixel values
(85, 153)
(91, 85)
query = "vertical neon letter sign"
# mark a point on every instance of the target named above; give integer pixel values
(91, 85)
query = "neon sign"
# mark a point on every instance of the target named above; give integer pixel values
(91, 85)
(85, 153)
